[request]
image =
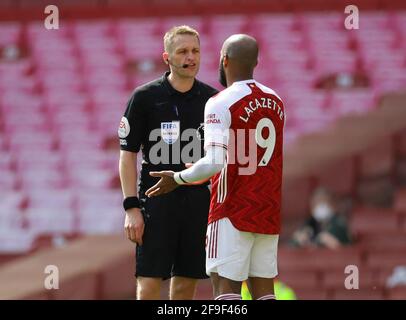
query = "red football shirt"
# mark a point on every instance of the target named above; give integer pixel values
(247, 119)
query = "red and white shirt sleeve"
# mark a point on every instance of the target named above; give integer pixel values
(217, 122)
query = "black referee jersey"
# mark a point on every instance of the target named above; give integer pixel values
(167, 125)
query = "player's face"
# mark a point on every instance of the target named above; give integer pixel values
(222, 73)
(185, 50)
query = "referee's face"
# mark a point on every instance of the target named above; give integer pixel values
(185, 50)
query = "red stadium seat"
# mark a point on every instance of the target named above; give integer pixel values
(400, 201)
(361, 294)
(51, 220)
(305, 259)
(397, 293)
(386, 259)
(373, 221)
(311, 293)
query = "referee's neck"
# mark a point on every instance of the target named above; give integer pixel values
(180, 84)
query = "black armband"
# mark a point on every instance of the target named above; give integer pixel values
(131, 202)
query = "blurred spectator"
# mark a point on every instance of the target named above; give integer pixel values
(397, 278)
(325, 227)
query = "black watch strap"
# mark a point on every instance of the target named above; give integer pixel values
(131, 202)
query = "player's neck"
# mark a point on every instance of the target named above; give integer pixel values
(235, 78)
(180, 84)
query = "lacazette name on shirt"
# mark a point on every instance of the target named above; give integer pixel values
(256, 104)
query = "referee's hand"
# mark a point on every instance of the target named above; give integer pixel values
(134, 225)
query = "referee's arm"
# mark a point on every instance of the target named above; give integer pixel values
(134, 222)
(131, 132)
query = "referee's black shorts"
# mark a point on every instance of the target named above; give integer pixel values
(175, 234)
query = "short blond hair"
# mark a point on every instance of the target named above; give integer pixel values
(175, 31)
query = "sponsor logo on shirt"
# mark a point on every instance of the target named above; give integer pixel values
(212, 118)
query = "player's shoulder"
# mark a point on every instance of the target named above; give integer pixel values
(229, 96)
(267, 90)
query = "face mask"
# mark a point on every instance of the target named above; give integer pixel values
(322, 212)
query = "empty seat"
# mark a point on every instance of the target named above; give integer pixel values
(381, 241)
(386, 260)
(17, 240)
(299, 278)
(88, 177)
(8, 180)
(51, 220)
(100, 220)
(400, 201)
(42, 178)
(311, 293)
(360, 294)
(11, 201)
(318, 259)
(377, 159)
(50, 198)
(374, 221)
(99, 199)
(6, 158)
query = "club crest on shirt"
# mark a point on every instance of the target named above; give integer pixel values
(170, 131)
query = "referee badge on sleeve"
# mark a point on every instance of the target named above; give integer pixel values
(170, 131)
(124, 128)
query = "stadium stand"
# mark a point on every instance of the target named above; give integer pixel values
(62, 95)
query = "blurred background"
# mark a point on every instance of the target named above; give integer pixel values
(63, 92)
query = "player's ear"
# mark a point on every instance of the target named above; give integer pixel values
(225, 60)
(165, 57)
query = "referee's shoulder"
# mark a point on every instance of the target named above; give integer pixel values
(149, 88)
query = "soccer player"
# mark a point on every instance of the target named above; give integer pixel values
(162, 118)
(244, 220)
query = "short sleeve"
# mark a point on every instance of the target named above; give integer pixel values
(132, 130)
(217, 121)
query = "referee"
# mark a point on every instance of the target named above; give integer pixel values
(170, 231)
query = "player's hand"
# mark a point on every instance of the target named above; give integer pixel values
(134, 225)
(165, 184)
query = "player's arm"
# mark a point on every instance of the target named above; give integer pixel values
(217, 123)
(206, 167)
